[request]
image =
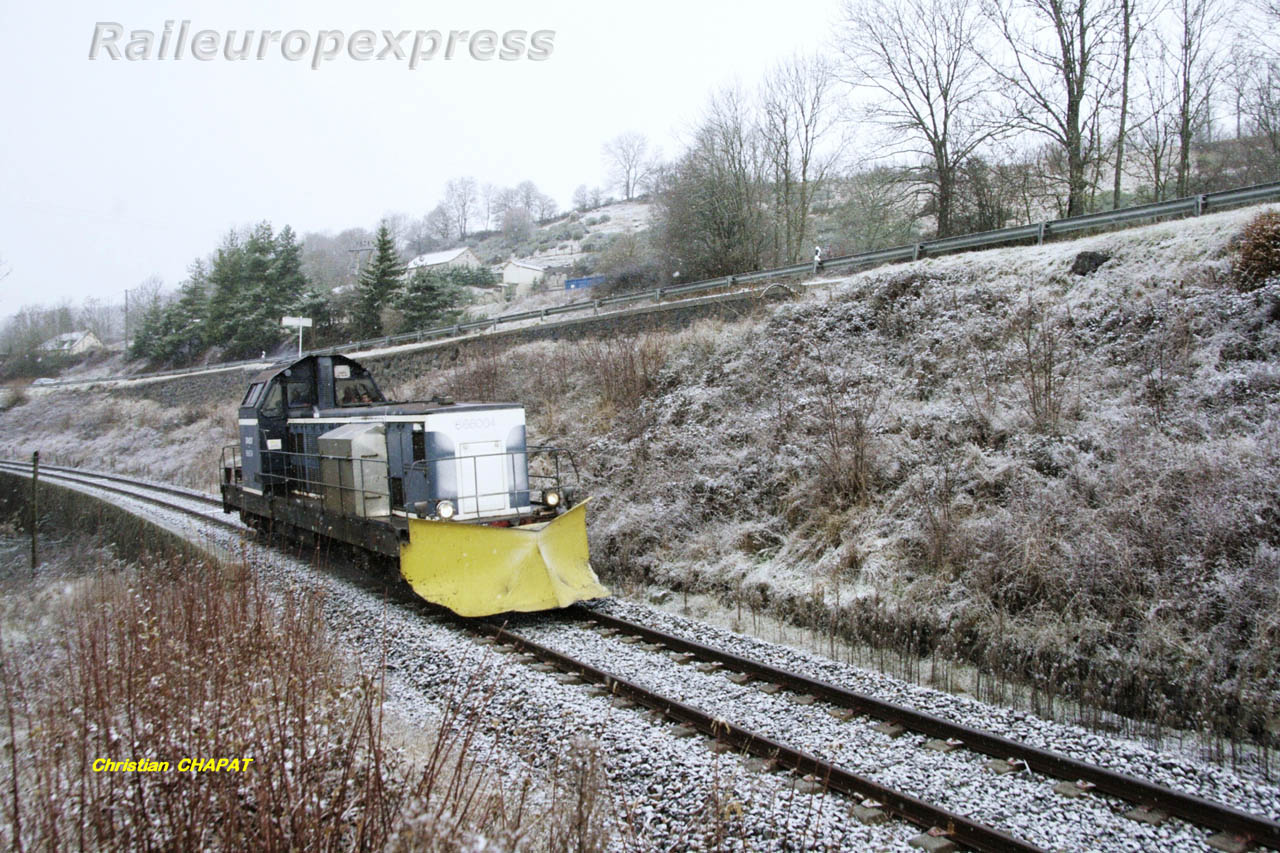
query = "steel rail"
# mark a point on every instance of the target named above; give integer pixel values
(90, 482)
(963, 830)
(103, 475)
(1196, 810)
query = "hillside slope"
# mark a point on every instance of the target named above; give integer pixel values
(1067, 476)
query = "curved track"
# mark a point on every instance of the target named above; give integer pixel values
(1242, 827)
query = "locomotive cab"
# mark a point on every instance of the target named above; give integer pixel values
(321, 448)
(308, 388)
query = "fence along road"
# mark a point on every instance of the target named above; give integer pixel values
(1190, 205)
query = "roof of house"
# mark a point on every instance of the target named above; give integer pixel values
(527, 265)
(435, 259)
(66, 340)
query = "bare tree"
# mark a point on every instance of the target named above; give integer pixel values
(1058, 75)
(488, 196)
(545, 206)
(503, 200)
(517, 225)
(418, 238)
(1156, 127)
(1131, 26)
(527, 194)
(440, 223)
(711, 210)
(398, 224)
(1264, 105)
(628, 161)
(1198, 63)
(920, 60)
(99, 318)
(797, 115)
(877, 211)
(460, 199)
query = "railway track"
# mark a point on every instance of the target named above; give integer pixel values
(1237, 829)
(1142, 793)
(132, 488)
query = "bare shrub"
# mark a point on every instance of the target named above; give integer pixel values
(983, 377)
(625, 369)
(1258, 257)
(11, 397)
(480, 375)
(935, 498)
(1045, 362)
(198, 661)
(1165, 353)
(847, 410)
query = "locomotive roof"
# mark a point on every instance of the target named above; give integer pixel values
(389, 407)
(269, 373)
(412, 407)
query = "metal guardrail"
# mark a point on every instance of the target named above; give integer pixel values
(1193, 205)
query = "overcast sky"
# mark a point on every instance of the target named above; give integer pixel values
(114, 170)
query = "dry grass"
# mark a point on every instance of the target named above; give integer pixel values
(200, 661)
(12, 396)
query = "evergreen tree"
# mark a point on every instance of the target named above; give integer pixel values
(226, 291)
(320, 308)
(258, 326)
(379, 282)
(432, 298)
(185, 326)
(150, 332)
(286, 270)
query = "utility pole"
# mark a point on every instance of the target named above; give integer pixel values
(357, 263)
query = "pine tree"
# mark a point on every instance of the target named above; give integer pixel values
(320, 308)
(286, 271)
(184, 324)
(378, 284)
(226, 291)
(258, 328)
(431, 299)
(147, 339)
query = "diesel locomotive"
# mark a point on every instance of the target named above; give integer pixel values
(480, 521)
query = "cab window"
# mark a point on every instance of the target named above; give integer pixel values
(272, 402)
(299, 394)
(356, 391)
(251, 396)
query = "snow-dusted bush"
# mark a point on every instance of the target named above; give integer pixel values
(1258, 256)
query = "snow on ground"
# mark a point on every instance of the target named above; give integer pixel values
(667, 792)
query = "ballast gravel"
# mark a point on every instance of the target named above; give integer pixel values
(668, 792)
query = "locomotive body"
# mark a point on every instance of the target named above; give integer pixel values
(480, 522)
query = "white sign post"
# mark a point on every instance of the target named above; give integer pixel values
(301, 323)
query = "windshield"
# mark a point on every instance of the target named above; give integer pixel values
(356, 391)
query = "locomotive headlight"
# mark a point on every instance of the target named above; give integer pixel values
(445, 510)
(551, 497)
